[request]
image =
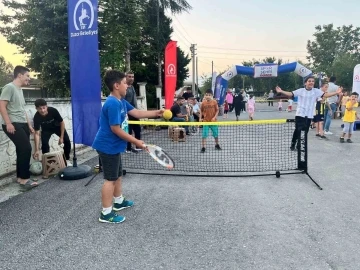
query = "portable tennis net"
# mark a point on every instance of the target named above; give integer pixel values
(248, 148)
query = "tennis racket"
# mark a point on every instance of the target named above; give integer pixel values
(160, 156)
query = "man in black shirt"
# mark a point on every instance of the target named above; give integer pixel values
(177, 116)
(51, 122)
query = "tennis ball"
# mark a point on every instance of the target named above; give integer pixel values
(167, 114)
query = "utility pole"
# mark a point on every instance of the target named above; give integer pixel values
(193, 53)
(197, 76)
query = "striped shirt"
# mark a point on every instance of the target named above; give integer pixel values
(306, 101)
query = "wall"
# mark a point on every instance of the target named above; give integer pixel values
(7, 148)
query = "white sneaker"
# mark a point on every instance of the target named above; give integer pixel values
(328, 133)
(69, 164)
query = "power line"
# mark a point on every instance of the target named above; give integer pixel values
(229, 53)
(249, 50)
(179, 32)
(241, 59)
(183, 28)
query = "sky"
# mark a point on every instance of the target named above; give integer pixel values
(229, 32)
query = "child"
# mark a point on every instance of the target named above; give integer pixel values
(290, 101)
(280, 104)
(319, 113)
(226, 109)
(209, 110)
(305, 107)
(111, 140)
(251, 107)
(238, 103)
(349, 117)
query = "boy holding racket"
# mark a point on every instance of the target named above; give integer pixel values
(111, 140)
(209, 110)
(307, 98)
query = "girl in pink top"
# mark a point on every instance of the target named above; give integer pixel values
(251, 107)
(229, 98)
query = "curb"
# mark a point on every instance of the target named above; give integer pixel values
(10, 178)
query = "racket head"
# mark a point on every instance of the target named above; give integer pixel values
(160, 156)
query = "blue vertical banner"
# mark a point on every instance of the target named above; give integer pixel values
(84, 69)
(223, 87)
(217, 88)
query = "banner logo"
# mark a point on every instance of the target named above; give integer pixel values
(83, 16)
(265, 71)
(303, 71)
(357, 78)
(171, 70)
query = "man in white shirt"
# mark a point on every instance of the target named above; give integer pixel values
(333, 105)
(307, 98)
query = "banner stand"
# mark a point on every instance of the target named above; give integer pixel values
(85, 79)
(170, 73)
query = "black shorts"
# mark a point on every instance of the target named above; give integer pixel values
(226, 111)
(111, 165)
(318, 118)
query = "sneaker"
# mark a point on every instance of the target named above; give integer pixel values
(217, 147)
(202, 150)
(123, 205)
(127, 152)
(323, 137)
(138, 149)
(328, 133)
(349, 141)
(111, 218)
(342, 140)
(318, 135)
(68, 163)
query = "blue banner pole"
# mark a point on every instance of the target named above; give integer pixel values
(84, 69)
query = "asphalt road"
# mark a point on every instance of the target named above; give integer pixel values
(195, 222)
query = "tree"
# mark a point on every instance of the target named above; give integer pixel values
(39, 29)
(5, 69)
(183, 71)
(175, 6)
(330, 43)
(120, 24)
(343, 67)
(144, 60)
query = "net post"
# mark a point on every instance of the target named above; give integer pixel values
(302, 149)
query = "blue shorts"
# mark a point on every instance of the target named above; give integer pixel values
(214, 131)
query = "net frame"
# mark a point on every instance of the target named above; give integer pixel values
(300, 158)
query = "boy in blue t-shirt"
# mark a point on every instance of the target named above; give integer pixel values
(111, 140)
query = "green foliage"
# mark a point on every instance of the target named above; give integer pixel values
(127, 32)
(5, 69)
(343, 67)
(39, 29)
(330, 43)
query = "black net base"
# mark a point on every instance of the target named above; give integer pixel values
(247, 148)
